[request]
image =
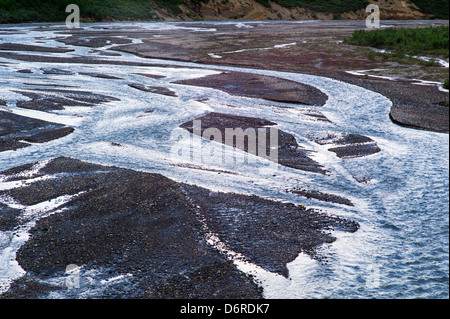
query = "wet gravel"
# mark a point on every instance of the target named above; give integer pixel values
(57, 99)
(153, 229)
(16, 130)
(415, 106)
(290, 154)
(261, 86)
(347, 145)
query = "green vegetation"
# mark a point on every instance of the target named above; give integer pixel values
(446, 84)
(173, 6)
(15, 11)
(331, 6)
(414, 41)
(438, 8)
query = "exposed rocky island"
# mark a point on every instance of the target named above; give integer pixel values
(139, 223)
(152, 229)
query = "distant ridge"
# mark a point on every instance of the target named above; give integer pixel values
(17, 11)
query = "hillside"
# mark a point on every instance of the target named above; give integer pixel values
(15, 11)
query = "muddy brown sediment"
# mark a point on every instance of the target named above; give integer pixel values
(261, 86)
(318, 50)
(415, 106)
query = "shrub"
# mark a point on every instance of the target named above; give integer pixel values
(438, 8)
(54, 10)
(428, 40)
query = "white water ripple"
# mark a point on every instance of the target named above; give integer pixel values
(401, 250)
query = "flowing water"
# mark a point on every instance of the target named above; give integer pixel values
(401, 249)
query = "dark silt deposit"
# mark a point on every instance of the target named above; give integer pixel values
(156, 224)
(56, 71)
(415, 106)
(25, 71)
(321, 196)
(261, 86)
(152, 231)
(126, 222)
(70, 60)
(57, 99)
(151, 76)
(290, 154)
(101, 76)
(32, 48)
(153, 89)
(433, 117)
(17, 130)
(94, 42)
(9, 218)
(347, 145)
(269, 233)
(150, 48)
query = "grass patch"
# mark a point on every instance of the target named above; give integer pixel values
(17, 11)
(445, 85)
(414, 41)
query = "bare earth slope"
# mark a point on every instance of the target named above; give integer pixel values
(254, 10)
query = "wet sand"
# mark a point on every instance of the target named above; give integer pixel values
(318, 50)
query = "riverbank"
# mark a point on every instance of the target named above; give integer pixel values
(310, 47)
(316, 48)
(151, 231)
(63, 211)
(209, 230)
